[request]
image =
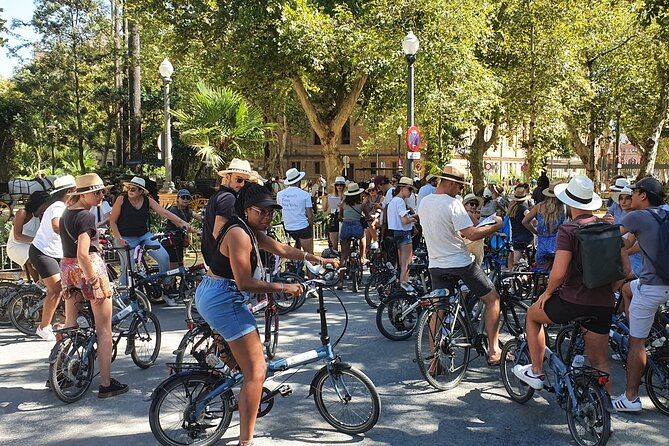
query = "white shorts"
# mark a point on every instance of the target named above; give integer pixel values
(645, 301)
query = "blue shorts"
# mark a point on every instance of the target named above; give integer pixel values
(350, 230)
(402, 237)
(224, 308)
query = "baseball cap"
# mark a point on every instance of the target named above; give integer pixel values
(184, 193)
(649, 185)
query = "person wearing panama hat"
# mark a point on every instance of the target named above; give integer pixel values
(298, 213)
(517, 210)
(331, 207)
(46, 251)
(129, 223)
(574, 299)
(352, 215)
(400, 222)
(613, 210)
(544, 219)
(446, 224)
(83, 269)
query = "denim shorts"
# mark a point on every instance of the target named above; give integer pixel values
(402, 237)
(351, 230)
(224, 308)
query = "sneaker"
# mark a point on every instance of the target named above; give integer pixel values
(171, 302)
(524, 373)
(622, 404)
(114, 388)
(46, 333)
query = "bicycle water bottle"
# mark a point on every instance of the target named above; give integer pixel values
(217, 363)
(82, 322)
(579, 361)
(659, 342)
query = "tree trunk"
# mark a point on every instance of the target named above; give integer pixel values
(118, 82)
(135, 91)
(478, 149)
(329, 131)
(529, 149)
(585, 151)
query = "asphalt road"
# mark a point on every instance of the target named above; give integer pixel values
(413, 413)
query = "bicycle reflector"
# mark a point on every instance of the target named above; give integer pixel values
(602, 380)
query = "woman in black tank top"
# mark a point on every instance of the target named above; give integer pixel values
(234, 272)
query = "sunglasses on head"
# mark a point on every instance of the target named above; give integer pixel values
(263, 213)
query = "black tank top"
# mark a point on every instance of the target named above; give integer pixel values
(220, 264)
(132, 221)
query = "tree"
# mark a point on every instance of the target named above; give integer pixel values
(221, 125)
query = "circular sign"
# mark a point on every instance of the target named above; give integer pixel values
(413, 139)
(488, 166)
(418, 166)
(345, 159)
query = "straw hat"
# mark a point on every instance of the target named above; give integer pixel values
(89, 182)
(470, 197)
(63, 183)
(452, 173)
(293, 176)
(579, 193)
(520, 194)
(406, 181)
(353, 189)
(241, 167)
(550, 191)
(136, 181)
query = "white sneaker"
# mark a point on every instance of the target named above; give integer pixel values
(622, 404)
(170, 301)
(524, 373)
(46, 333)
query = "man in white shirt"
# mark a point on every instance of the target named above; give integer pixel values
(298, 215)
(101, 213)
(445, 221)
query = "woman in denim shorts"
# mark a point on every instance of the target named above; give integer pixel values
(351, 228)
(400, 221)
(235, 273)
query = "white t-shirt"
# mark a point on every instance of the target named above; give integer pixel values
(45, 239)
(442, 217)
(389, 196)
(295, 202)
(104, 208)
(396, 209)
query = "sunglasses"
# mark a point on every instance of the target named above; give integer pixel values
(185, 197)
(263, 213)
(473, 204)
(240, 180)
(133, 189)
(340, 185)
(98, 193)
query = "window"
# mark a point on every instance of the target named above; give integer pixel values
(317, 167)
(296, 165)
(317, 140)
(373, 168)
(346, 133)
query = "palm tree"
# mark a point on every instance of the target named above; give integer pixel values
(221, 125)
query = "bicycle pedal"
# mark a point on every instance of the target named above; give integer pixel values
(549, 389)
(285, 390)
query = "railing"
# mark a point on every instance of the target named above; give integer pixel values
(320, 231)
(7, 264)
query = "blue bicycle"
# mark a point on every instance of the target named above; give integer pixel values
(195, 405)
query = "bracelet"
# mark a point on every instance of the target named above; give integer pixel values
(92, 281)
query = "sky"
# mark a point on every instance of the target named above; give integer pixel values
(22, 10)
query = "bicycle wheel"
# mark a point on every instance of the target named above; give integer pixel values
(442, 348)
(514, 316)
(120, 300)
(271, 333)
(347, 399)
(284, 303)
(71, 369)
(511, 356)
(563, 340)
(175, 400)
(7, 289)
(353, 274)
(144, 338)
(657, 382)
(196, 344)
(588, 420)
(25, 311)
(389, 318)
(372, 296)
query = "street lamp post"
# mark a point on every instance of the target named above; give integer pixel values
(399, 143)
(410, 47)
(166, 69)
(52, 128)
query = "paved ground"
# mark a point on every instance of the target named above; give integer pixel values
(477, 412)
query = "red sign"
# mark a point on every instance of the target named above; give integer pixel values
(400, 163)
(413, 139)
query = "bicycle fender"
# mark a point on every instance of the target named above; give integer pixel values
(161, 387)
(54, 353)
(324, 370)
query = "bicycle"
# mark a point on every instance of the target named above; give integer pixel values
(354, 266)
(195, 405)
(579, 389)
(450, 329)
(72, 359)
(25, 308)
(656, 374)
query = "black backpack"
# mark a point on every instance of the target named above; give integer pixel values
(661, 263)
(599, 259)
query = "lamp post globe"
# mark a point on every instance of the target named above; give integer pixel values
(410, 46)
(166, 69)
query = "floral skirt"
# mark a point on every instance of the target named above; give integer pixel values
(73, 279)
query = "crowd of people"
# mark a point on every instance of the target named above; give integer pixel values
(56, 236)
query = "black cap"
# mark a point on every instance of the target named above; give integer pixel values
(649, 185)
(253, 194)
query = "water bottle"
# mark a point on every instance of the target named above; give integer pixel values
(446, 326)
(217, 363)
(659, 342)
(82, 322)
(579, 361)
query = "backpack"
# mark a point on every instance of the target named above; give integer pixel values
(599, 260)
(661, 264)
